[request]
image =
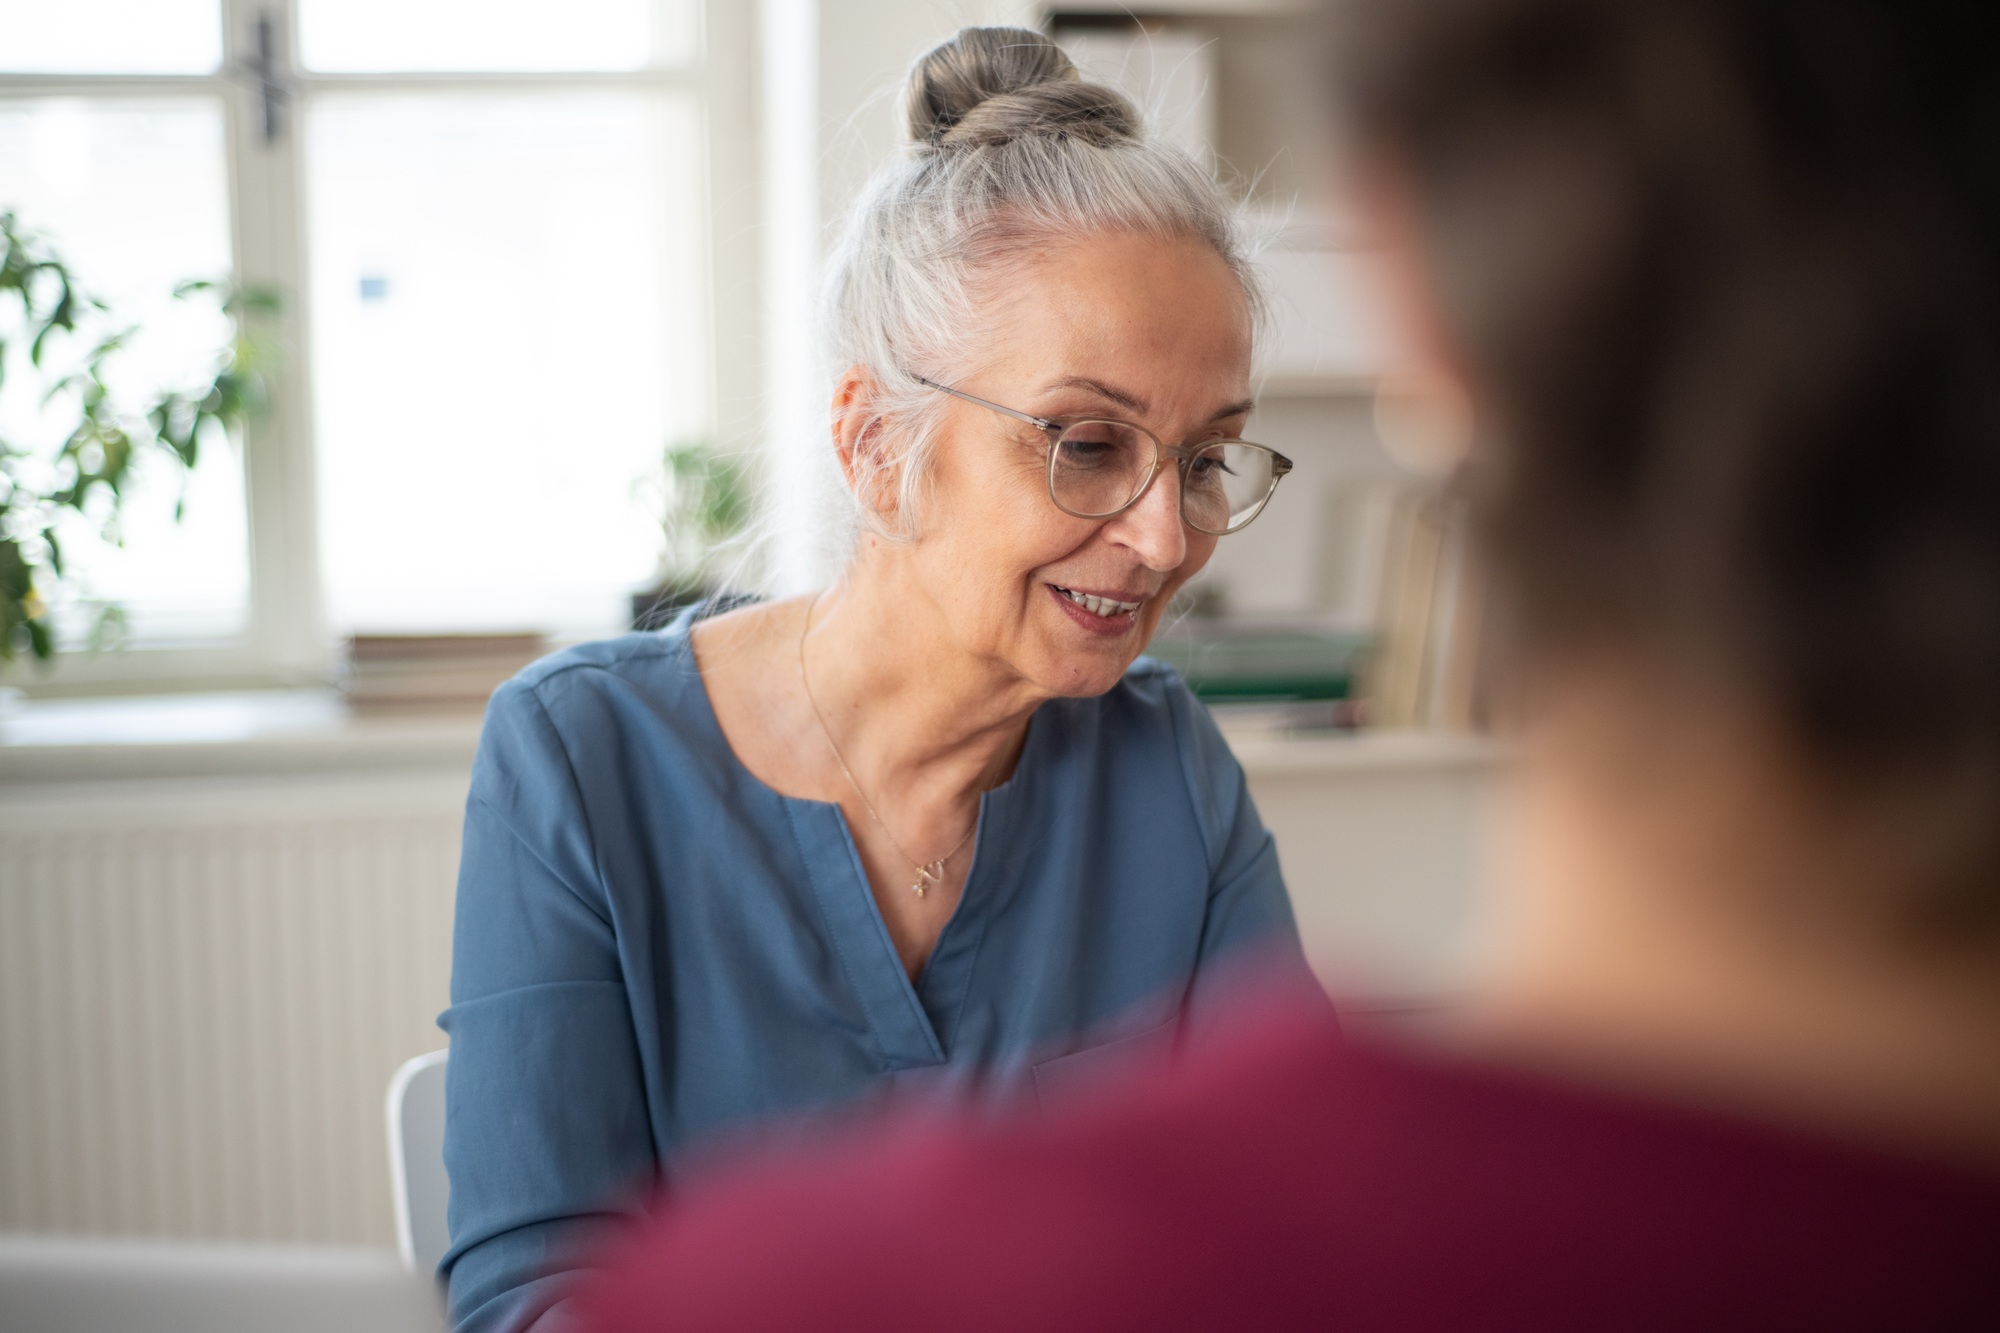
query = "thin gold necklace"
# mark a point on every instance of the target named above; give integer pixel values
(928, 872)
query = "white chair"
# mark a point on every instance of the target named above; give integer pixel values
(416, 1161)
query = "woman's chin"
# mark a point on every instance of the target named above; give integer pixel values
(1083, 682)
(1081, 674)
(1076, 654)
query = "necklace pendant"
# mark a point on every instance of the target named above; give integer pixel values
(927, 875)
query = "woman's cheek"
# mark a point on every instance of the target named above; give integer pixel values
(1200, 549)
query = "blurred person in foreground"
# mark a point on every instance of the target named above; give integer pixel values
(939, 827)
(1723, 282)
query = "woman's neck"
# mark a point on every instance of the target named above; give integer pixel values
(1755, 979)
(911, 710)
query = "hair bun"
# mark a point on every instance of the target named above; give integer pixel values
(991, 86)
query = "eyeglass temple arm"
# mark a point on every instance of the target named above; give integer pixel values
(1042, 423)
(1280, 465)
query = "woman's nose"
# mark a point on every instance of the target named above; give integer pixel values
(1152, 528)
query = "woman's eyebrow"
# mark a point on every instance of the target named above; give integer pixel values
(1126, 400)
(1133, 402)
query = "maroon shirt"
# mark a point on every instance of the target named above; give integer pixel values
(1289, 1180)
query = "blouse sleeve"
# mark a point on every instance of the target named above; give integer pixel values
(1249, 937)
(546, 1127)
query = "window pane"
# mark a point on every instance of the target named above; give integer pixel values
(110, 36)
(134, 195)
(388, 35)
(506, 332)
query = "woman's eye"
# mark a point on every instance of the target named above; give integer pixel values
(1093, 444)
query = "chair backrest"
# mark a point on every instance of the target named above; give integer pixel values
(416, 1161)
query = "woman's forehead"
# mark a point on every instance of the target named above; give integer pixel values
(1124, 276)
(1135, 400)
(1139, 323)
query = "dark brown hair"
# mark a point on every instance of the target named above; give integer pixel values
(1723, 273)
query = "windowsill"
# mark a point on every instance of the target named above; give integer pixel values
(271, 732)
(264, 732)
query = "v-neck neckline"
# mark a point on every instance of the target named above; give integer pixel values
(910, 1033)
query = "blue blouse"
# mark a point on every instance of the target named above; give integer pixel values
(652, 946)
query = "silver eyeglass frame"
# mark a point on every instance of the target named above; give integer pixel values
(1281, 466)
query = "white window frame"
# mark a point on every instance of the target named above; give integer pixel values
(287, 641)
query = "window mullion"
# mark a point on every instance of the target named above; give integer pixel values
(288, 633)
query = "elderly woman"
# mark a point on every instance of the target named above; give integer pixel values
(938, 823)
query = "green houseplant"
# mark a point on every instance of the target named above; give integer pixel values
(707, 507)
(64, 342)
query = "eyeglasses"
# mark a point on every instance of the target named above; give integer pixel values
(1099, 467)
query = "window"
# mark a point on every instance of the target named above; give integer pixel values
(131, 182)
(490, 220)
(111, 37)
(505, 296)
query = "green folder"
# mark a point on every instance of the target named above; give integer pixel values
(1268, 664)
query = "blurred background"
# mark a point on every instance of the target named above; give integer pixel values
(500, 337)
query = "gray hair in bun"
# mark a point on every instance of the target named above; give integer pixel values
(989, 86)
(1008, 148)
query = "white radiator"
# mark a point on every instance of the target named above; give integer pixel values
(204, 989)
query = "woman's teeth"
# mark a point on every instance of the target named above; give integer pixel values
(1097, 606)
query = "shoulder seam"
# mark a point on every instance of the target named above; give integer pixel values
(548, 668)
(575, 787)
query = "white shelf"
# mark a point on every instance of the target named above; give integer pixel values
(1268, 754)
(1198, 9)
(1318, 386)
(1327, 320)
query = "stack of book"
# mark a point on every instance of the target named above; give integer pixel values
(406, 671)
(1424, 669)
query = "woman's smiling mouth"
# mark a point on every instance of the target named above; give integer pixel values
(1096, 612)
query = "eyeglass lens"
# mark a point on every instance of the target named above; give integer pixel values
(1098, 467)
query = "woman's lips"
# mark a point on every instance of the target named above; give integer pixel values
(1119, 621)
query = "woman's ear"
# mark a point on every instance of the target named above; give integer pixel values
(859, 441)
